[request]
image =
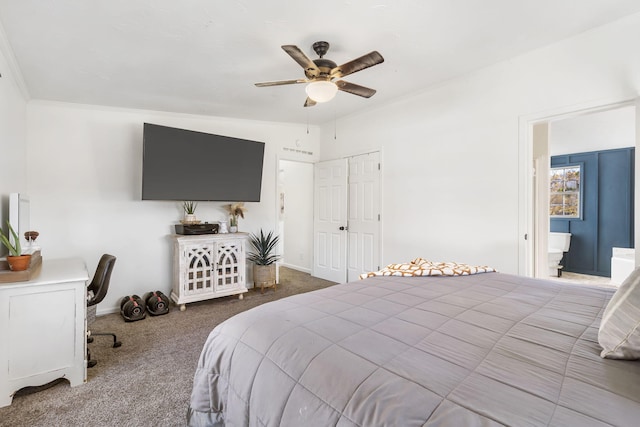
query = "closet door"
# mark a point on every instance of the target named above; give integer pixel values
(364, 215)
(330, 220)
(347, 231)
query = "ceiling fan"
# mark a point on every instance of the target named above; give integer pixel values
(320, 74)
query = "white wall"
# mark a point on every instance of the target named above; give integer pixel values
(84, 180)
(12, 137)
(297, 187)
(603, 130)
(451, 154)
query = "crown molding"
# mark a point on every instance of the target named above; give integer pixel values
(14, 69)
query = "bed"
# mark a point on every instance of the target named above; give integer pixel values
(476, 350)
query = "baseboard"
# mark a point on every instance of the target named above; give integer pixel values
(296, 267)
(106, 311)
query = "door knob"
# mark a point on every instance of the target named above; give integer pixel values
(343, 228)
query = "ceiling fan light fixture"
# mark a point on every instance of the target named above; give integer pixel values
(321, 91)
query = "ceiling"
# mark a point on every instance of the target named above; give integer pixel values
(204, 56)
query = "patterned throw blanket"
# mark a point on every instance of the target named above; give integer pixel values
(423, 267)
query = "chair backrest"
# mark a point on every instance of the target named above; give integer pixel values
(100, 283)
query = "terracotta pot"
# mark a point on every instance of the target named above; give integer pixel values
(19, 263)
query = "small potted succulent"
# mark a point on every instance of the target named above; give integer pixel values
(264, 258)
(189, 208)
(17, 261)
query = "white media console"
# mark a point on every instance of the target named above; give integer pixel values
(208, 266)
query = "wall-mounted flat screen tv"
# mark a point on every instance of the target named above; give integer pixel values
(179, 164)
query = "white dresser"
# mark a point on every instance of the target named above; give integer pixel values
(208, 266)
(43, 328)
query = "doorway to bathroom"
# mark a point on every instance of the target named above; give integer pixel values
(601, 217)
(295, 214)
(584, 188)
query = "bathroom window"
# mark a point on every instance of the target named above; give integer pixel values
(564, 194)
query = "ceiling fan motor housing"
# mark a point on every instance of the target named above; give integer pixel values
(324, 65)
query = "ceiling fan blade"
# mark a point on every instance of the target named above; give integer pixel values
(358, 64)
(355, 89)
(309, 102)
(301, 58)
(281, 82)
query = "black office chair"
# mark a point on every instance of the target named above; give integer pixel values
(96, 291)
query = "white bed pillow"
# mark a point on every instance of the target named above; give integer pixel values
(619, 333)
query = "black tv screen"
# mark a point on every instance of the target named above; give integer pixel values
(179, 164)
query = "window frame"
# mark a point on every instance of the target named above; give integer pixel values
(579, 193)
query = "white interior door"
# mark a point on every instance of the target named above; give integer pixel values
(330, 220)
(364, 215)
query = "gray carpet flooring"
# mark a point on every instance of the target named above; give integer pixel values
(147, 381)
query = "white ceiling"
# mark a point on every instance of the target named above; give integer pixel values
(204, 56)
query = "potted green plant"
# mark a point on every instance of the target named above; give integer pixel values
(17, 261)
(189, 208)
(264, 259)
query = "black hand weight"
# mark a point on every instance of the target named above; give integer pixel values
(132, 308)
(157, 303)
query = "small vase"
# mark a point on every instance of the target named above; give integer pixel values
(19, 263)
(233, 229)
(222, 228)
(190, 219)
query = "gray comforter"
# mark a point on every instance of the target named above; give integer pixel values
(482, 350)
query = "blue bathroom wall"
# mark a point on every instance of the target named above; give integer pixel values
(607, 210)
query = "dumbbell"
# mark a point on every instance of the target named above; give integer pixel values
(132, 308)
(157, 303)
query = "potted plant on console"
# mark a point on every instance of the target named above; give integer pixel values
(264, 259)
(17, 261)
(189, 212)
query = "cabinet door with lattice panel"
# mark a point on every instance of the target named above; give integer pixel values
(230, 268)
(199, 269)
